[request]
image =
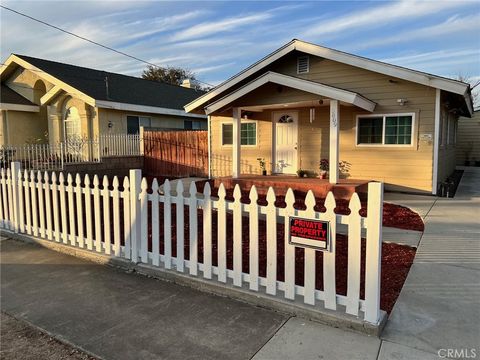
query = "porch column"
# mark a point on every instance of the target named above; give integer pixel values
(237, 118)
(334, 130)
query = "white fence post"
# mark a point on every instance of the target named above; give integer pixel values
(135, 223)
(373, 260)
(15, 168)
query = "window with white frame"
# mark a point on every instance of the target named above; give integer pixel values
(73, 126)
(389, 129)
(134, 123)
(248, 133)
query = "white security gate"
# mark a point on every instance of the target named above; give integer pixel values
(285, 152)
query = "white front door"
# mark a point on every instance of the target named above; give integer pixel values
(285, 151)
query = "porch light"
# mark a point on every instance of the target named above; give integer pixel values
(312, 114)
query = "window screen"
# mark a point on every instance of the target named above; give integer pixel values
(370, 130)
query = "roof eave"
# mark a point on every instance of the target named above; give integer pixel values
(430, 80)
(296, 83)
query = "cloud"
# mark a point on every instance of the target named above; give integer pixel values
(452, 25)
(214, 26)
(380, 15)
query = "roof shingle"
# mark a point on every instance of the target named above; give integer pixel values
(121, 88)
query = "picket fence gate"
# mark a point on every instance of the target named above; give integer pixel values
(62, 210)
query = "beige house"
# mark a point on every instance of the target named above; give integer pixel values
(467, 140)
(304, 102)
(47, 101)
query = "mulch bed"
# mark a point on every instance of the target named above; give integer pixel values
(396, 259)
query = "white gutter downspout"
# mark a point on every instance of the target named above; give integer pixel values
(209, 147)
(436, 141)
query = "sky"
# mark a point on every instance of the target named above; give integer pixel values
(217, 39)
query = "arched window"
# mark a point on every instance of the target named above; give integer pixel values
(285, 119)
(73, 130)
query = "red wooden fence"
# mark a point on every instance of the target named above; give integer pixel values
(178, 153)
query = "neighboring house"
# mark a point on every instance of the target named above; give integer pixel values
(305, 102)
(468, 140)
(53, 102)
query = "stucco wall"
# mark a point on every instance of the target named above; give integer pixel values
(403, 168)
(23, 127)
(119, 121)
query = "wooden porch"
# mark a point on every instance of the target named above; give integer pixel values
(280, 183)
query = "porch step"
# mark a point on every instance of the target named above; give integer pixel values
(320, 187)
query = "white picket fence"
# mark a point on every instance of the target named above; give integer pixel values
(54, 156)
(62, 210)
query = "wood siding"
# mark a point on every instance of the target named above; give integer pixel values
(468, 139)
(401, 168)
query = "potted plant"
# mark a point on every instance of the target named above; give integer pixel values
(262, 163)
(344, 169)
(324, 166)
(301, 173)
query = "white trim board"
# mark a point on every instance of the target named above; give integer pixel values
(296, 83)
(436, 144)
(438, 82)
(19, 107)
(144, 109)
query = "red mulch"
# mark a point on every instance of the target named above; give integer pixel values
(396, 259)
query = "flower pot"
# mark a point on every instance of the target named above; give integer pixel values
(323, 174)
(264, 172)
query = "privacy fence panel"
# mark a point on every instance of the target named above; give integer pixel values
(178, 153)
(230, 241)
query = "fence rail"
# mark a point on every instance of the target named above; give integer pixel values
(178, 153)
(206, 236)
(55, 156)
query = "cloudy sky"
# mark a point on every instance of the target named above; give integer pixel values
(217, 39)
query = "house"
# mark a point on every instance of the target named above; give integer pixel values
(467, 140)
(304, 102)
(44, 100)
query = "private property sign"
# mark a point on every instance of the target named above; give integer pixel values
(309, 233)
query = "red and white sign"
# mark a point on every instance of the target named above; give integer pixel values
(310, 233)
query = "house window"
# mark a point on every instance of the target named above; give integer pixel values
(72, 121)
(248, 134)
(370, 130)
(395, 129)
(398, 130)
(134, 123)
(194, 125)
(303, 65)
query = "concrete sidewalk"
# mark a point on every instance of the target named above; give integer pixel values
(117, 315)
(439, 306)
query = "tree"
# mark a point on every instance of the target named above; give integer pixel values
(169, 75)
(474, 86)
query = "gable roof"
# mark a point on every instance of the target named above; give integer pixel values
(295, 83)
(121, 88)
(450, 85)
(11, 100)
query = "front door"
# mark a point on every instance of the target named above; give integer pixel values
(285, 151)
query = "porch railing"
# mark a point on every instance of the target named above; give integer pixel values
(56, 156)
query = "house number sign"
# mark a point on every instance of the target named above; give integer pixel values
(307, 233)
